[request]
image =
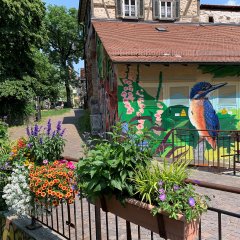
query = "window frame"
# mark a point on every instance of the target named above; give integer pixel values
(157, 9)
(130, 9)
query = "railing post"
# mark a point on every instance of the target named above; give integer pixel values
(98, 223)
(129, 233)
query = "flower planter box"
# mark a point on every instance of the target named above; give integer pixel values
(140, 213)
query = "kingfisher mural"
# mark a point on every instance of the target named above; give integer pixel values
(201, 112)
(145, 107)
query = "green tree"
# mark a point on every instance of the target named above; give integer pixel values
(64, 44)
(21, 25)
(21, 31)
(46, 82)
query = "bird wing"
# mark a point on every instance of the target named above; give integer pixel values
(211, 119)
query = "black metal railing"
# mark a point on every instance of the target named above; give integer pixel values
(187, 144)
(83, 220)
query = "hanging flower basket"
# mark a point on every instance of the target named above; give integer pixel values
(140, 214)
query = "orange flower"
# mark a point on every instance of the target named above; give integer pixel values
(43, 194)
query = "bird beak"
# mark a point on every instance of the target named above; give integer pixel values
(212, 88)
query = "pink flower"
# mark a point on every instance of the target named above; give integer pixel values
(70, 165)
(139, 94)
(131, 98)
(125, 81)
(140, 126)
(130, 110)
(142, 106)
(129, 82)
(125, 88)
(130, 94)
(127, 104)
(130, 88)
(123, 94)
(138, 114)
(141, 110)
(45, 161)
(158, 119)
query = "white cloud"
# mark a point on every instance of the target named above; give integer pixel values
(232, 3)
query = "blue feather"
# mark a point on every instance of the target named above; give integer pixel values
(211, 118)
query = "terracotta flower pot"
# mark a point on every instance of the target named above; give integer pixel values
(140, 213)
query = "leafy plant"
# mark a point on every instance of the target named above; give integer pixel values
(110, 164)
(164, 187)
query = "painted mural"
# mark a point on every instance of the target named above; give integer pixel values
(107, 88)
(147, 107)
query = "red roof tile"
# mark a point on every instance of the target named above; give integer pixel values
(141, 42)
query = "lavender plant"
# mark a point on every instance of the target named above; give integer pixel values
(45, 143)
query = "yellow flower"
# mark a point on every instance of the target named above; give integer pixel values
(26, 163)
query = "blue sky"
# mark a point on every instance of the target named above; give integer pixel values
(68, 4)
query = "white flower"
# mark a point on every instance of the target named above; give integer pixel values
(17, 192)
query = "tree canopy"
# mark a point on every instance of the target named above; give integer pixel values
(64, 43)
(21, 28)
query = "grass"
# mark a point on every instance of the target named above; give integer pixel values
(54, 112)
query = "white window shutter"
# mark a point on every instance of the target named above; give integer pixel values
(119, 11)
(141, 8)
(155, 6)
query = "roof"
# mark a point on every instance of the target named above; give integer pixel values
(220, 8)
(180, 43)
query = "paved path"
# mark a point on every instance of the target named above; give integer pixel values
(70, 121)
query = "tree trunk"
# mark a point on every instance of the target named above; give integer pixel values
(67, 86)
(68, 93)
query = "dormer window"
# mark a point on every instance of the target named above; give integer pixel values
(165, 9)
(130, 9)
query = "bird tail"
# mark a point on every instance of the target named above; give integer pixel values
(212, 141)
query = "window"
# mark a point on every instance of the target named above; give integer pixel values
(130, 8)
(165, 9)
(179, 96)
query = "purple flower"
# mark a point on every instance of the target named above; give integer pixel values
(191, 201)
(162, 197)
(161, 191)
(29, 145)
(160, 183)
(59, 126)
(63, 131)
(45, 161)
(175, 187)
(49, 127)
(36, 130)
(53, 134)
(28, 131)
(11, 153)
(41, 141)
(74, 187)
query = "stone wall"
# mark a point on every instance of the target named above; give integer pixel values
(220, 16)
(189, 10)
